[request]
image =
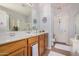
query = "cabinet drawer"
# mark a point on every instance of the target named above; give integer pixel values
(32, 40)
(11, 47)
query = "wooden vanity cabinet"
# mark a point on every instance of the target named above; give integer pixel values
(31, 41)
(23, 47)
(16, 48)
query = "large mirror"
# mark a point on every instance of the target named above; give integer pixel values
(15, 17)
(77, 24)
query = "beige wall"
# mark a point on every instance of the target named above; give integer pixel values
(41, 10)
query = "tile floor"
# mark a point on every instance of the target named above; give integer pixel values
(59, 50)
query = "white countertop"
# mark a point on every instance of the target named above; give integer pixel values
(14, 36)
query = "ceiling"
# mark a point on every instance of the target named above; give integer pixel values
(22, 8)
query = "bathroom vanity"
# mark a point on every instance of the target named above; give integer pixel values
(21, 45)
(19, 35)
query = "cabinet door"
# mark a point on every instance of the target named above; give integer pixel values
(46, 41)
(41, 44)
(41, 47)
(9, 48)
(25, 49)
(31, 41)
(18, 53)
